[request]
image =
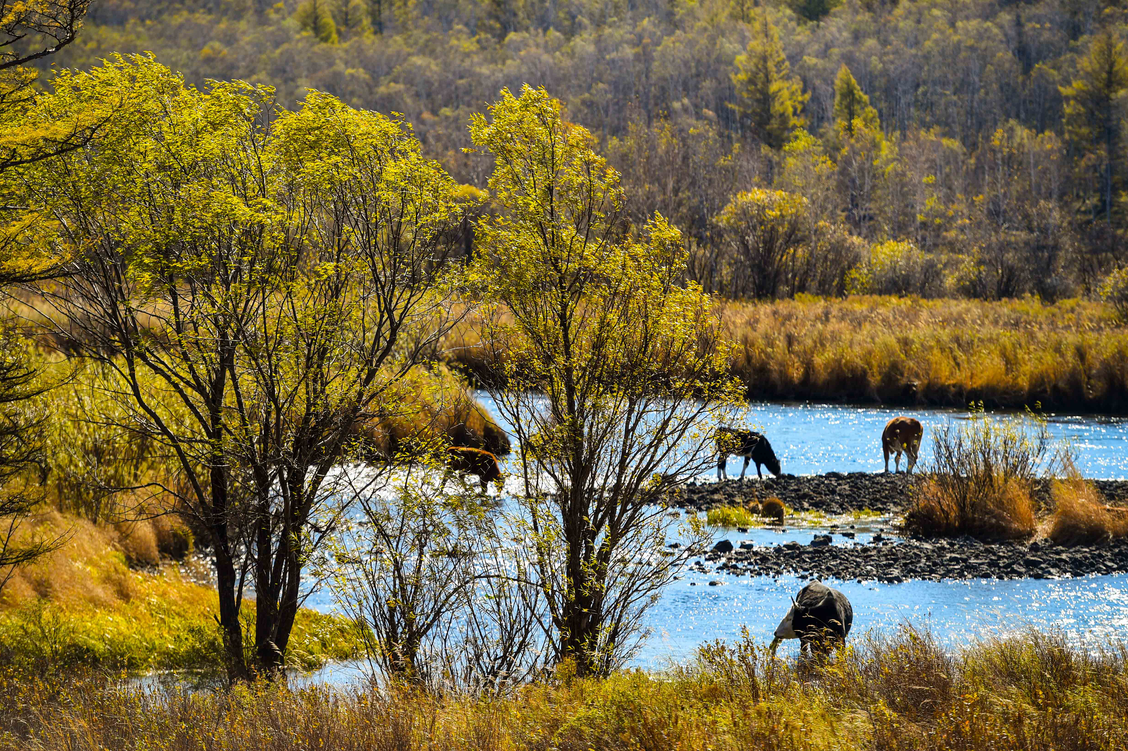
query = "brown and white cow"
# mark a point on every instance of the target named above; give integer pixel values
(902, 434)
(478, 462)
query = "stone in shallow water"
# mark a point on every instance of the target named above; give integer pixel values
(820, 541)
(724, 546)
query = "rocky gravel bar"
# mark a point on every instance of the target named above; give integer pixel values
(840, 493)
(934, 560)
(885, 559)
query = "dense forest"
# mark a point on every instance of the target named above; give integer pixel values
(950, 147)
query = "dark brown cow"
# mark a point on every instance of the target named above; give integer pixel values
(468, 461)
(902, 434)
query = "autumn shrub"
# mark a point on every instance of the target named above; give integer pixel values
(1114, 290)
(981, 480)
(431, 403)
(773, 508)
(896, 268)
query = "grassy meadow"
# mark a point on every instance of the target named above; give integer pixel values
(1069, 356)
(94, 603)
(901, 690)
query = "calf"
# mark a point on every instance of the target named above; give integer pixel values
(751, 445)
(902, 434)
(469, 461)
(820, 618)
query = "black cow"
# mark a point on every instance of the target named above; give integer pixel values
(820, 618)
(749, 444)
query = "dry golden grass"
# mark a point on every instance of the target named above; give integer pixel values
(1072, 355)
(1004, 511)
(773, 508)
(1080, 515)
(83, 605)
(945, 352)
(897, 691)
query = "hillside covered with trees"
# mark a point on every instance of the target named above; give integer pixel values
(944, 148)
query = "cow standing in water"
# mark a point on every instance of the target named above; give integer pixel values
(902, 434)
(478, 462)
(751, 445)
(820, 618)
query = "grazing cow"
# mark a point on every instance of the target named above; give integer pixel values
(478, 462)
(751, 445)
(902, 434)
(820, 618)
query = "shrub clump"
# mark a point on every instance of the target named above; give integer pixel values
(773, 508)
(981, 481)
(1081, 517)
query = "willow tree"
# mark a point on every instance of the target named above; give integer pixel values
(256, 291)
(615, 373)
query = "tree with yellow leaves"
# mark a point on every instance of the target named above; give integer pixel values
(615, 374)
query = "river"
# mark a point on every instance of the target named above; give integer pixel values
(819, 438)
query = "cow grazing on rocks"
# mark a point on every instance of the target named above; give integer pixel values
(902, 434)
(478, 462)
(751, 445)
(820, 618)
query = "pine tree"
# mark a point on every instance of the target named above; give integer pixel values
(851, 105)
(1094, 118)
(351, 17)
(316, 17)
(772, 99)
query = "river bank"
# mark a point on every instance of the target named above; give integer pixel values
(896, 689)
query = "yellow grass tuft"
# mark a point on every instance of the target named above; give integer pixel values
(1081, 517)
(1005, 512)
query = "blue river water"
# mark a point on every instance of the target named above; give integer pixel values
(818, 438)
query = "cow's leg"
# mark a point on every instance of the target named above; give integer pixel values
(483, 483)
(758, 472)
(897, 462)
(745, 467)
(885, 451)
(721, 473)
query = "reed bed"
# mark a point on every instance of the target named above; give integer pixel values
(900, 690)
(1069, 356)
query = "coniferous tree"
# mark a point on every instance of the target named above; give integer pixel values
(851, 105)
(316, 17)
(351, 18)
(771, 98)
(1094, 114)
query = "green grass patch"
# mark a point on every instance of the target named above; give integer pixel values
(730, 516)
